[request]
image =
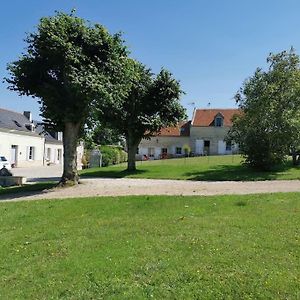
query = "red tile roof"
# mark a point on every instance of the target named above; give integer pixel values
(206, 117)
(182, 129)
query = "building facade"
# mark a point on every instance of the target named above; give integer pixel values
(204, 135)
(25, 143)
(170, 142)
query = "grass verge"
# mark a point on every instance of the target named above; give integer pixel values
(232, 247)
(208, 168)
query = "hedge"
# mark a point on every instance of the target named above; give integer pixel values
(112, 155)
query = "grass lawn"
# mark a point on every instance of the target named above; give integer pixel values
(36, 187)
(225, 247)
(207, 168)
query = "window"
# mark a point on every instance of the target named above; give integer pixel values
(178, 150)
(17, 123)
(30, 153)
(58, 154)
(228, 146)
(151, 152)
(137, 150)
(164, 150)
(218, 121)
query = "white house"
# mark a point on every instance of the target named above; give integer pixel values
(204, 135)
(169, 142)
(25, 142)
(209, 128)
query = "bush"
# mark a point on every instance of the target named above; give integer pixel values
(112, 155)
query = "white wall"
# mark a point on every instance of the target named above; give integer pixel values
(159, 142)
(53, 159)
(80, 153)
(22, 142)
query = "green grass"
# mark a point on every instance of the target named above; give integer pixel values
(225, 247)
(209, 168)
(36, 187)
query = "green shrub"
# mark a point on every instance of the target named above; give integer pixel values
(112, 155)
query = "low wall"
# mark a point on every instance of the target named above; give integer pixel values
(12, 180)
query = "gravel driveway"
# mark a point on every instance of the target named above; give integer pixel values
(120, 187)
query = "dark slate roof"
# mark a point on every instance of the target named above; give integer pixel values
(40, 129)
(14, 121)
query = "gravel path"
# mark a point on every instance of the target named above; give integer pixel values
(120, 187)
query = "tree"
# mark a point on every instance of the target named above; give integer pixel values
(269, 127)
(97, 134)
(150, 103)
(67, 64)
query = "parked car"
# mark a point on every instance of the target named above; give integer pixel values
(4, 163)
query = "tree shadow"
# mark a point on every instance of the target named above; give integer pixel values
(102, 173)
(237, 173)
(27, 190)
(43, 179)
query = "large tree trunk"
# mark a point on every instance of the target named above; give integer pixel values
(132, 146)
(70, 139)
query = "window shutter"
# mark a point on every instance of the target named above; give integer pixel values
(27, 152)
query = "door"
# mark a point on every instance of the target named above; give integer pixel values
(199, 147)
(13, 156)
(206, 147)
(164, 153)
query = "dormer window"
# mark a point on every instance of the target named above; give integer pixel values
(219, 121)
(17, 123)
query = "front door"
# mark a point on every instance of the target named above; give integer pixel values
(13, 157)
(206, 147)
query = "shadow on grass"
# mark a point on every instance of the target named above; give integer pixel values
(237, 173)
(103, 173)
(25, 190)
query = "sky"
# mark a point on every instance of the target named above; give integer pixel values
(210, 46)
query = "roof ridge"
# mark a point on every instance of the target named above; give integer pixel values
(15, 112)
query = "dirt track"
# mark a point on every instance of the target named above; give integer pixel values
(120, 187)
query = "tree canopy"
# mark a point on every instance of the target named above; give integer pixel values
(150, 103)
(269, 127)
(68, 63)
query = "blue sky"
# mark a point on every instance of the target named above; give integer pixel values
(210, 46)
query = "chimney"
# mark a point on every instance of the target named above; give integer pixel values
(58, 136)
(28, 115)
